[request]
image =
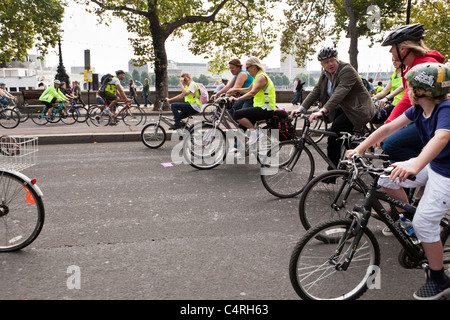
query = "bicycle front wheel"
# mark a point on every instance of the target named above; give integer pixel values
(23, 112)
(329, 196)
(133, 116)
(82, 113)
(153, 135)
(21, 213)
(69, 117)
(314, 267)
(293, 169)
(205, 147)
(9, 118)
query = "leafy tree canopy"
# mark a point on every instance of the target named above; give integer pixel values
(24, 23)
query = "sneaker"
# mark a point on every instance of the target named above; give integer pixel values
(233, 150)
(108, 112)
(386, 232)
(175, 126)
(253, 137)
(431, 290)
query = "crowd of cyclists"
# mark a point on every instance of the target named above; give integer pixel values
(414, 129)
(411, 114)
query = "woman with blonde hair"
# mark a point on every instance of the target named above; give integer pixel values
(407, 46)
(191, 105)
(262, 91)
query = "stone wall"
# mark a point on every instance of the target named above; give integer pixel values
(282, 96)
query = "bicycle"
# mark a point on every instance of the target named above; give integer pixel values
(153, 135)
(336, 259)
(101, 116)
(9, 118)
(80, 111)
(207, 146)
(23, 112)
(334, 193)
(288, 178)
(22, 210)
(59, 113)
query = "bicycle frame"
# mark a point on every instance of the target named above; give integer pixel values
(361, 219)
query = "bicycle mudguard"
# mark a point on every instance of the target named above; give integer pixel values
(28, 181)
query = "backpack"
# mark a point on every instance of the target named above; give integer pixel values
(366, 84)
(283, 123)
(204, 96)
(104, 81)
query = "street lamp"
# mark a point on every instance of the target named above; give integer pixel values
(61, 73)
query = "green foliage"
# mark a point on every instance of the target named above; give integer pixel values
(27, 23)
(435, 15)
(309, 22)
(219, 29)
(136, 75)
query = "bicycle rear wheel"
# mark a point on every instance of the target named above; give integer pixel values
(21, 213)
(9, 118)
(133, 116)
(290, 174)
(205, 147)
(325, 198)
(314, 265)
(208, 111)
(97, 117)
(153, 135)
(41, 118)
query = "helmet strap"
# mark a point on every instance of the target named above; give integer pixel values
(402, 59)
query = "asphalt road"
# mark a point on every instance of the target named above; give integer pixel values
(121, 225)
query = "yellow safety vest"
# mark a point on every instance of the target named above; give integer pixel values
(266, 97)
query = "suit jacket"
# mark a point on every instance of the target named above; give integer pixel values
(349, 93)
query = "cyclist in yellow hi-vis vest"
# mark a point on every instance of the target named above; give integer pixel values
(263, 92)
(113, 92)
(191, 104)
(52, 95)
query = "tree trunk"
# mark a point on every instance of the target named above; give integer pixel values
(352, 34)
(161, 79)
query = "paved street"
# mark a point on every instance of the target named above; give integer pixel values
(131, 228)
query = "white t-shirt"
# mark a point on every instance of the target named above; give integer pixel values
(193, 89)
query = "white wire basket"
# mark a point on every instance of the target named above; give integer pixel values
(18, 153)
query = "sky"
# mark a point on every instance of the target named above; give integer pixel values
(111, 50)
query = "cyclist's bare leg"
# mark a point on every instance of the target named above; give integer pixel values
(435, 254)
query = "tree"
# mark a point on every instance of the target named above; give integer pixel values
(435, 15)
(219, 29)
(144, 74)
(309, 22)
(27, 23)
(203, 79)
(136, 75)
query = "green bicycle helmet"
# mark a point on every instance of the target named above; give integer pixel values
(433, 77)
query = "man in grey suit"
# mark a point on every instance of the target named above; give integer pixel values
(346, 102)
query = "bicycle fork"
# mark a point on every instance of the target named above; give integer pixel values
(355, 230)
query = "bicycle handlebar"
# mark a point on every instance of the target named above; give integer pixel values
(358, 158)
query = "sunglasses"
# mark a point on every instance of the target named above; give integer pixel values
(247, 67)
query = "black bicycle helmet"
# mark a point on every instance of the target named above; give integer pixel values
(326, 53)
(119, 72)
(407, 32)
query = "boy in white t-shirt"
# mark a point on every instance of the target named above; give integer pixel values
(428, 85)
